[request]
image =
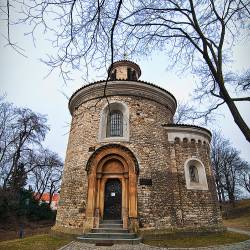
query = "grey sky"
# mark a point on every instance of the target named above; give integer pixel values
(23, 81)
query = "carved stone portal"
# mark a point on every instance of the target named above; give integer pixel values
(108, 165)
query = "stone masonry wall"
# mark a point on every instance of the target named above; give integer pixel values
(165, 204)
(147, 142)
(194, 208)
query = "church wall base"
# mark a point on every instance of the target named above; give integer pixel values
(148, 230)
(133, 225)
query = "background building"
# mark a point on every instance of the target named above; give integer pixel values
(46, 198)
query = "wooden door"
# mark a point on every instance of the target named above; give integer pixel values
(113, 200)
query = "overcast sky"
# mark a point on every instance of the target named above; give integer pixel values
(23, 79)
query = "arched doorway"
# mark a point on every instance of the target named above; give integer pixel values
(112, 177)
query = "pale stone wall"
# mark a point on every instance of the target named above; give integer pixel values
(146, 142)
(165, 204)
(193, 208)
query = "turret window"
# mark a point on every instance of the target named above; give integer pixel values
(129, 74)
(115, 124)
(113, 75)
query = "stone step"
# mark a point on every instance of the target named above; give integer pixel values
(111, 226)
(111, 222)
(109, 230)
(111, 235)
(109, 241)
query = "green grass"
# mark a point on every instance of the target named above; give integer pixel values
(238, 216)
(51, 242)
(37, 242)
(177, 240)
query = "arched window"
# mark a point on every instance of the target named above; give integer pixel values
(193, 173)
(115, 124)
(113, 75)
(129, 74)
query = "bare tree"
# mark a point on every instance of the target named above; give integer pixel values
(46, 176)
(245, 178)
(54, 183)
(7, 115)
(24, 132)
(21, 152)
(217, 157)
(228, 168)
(196, 34)
(231, 168)
(22, 156)
(184, 113)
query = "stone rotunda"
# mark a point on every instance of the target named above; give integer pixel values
(127, 161)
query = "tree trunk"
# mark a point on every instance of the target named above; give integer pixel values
(223, 195)
(231, 199)
(218, 191)
(234, 111)
(219, 195)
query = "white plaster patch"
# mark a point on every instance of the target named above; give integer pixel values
(189, 133)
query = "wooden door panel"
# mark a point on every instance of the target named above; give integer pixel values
(112, 199)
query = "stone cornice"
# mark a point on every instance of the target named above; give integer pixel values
(190, 132)
(122, 88)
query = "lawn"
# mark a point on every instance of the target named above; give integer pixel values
(238, 216)
(37, 242)
(51, 242)
(176, 240)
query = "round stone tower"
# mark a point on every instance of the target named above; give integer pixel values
(126, 160)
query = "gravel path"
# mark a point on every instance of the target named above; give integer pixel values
(236, 230)
(83, 246)
(75, 245)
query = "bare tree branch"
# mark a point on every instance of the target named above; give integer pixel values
(196, 35)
